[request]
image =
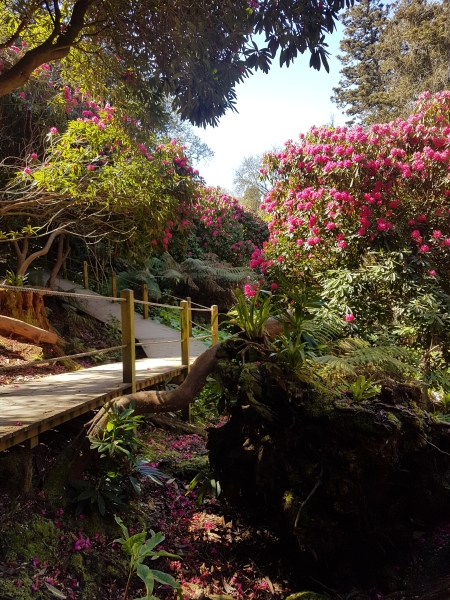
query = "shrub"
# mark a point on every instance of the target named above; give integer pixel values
(366, 214)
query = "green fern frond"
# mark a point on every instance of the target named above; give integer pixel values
(351, 355)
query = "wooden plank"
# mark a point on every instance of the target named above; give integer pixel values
(36, 406)
(145, 329)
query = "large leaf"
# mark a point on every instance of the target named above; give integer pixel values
(165, 578)
(146, 574)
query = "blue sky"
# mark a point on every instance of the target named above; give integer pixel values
(272, 109)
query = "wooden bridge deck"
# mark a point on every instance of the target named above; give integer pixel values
(28, 409)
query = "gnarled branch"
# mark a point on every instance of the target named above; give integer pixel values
(161, 401)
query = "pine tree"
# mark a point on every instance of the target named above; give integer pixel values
(414, 51)
(391, 55)
(361, 91)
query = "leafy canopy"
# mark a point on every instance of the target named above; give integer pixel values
(197, 52)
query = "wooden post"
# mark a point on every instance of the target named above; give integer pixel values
(113, 285)
(190, 316)
(85, 276)
(184, 322)
(214, 324)
(128, 339)
(145, 299)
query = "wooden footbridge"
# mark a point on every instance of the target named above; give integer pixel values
(30, 408)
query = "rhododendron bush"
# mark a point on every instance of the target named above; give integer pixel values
(367, 214)
(217, 224)
(102, 176)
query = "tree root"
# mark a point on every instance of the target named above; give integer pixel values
(154, 401)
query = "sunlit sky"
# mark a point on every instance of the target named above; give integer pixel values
(272, 109)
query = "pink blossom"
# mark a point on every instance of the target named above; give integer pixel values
(273, 286)
(349, 318)
(424, 248)
(27, 171)
(54, 130)
(91, 168)
(34, 156)
(432, 273)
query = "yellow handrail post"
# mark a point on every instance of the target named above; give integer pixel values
(128, 339)
(113, 285)
(184, 322)
(85, 276)
(190, 315)
(145, 299)
(214, 324)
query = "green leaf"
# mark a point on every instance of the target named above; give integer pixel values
(101, 504)
(137, 488)
(155, 539)
(56, 593)
(146, 574)
(135, 540)
(165, 578)
(119, 522)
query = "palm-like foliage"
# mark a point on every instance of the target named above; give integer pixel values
(251, 315)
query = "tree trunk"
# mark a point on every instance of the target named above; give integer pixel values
(61, 257)
(25, 261)
(24, 306)
(55, 47)
(30, 332)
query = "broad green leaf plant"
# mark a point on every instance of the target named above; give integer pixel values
(139, 547)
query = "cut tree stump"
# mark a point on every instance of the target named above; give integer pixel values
(30, 332)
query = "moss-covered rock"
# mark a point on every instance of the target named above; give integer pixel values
(36, 538)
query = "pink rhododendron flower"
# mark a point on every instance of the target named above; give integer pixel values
(349, 318)
(424, 248)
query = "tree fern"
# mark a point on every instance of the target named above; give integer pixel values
(353, 356)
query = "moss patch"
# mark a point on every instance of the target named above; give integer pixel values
(38, 537)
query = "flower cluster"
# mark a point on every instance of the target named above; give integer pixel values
(223, 227)
(340, 192)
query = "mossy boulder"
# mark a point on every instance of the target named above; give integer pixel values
(38, 537)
